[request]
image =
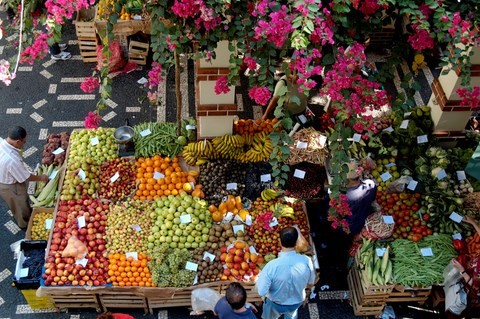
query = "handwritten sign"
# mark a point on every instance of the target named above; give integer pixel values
(386, 176)
(442, 174)
(388, 219)
(322, 140)
(237, 228)
(137, 228)
(191, 266)
(209, 256)
(404, 124)
(94, 141)
(145, 132)
(185, 219)
(357, 137)
(132, 254)
(426, 252)
(58, 151)
(81, 221)
(48, 223)
(265, 178)
(461, 175)
(231, 186)
(456, 217)
(301, 144)
(83, 261)
(299, 174)
(388, 129)
(114, 177)
(82, 174)
(158, 175)
(422, 139)
(380, 251)
(412, 185)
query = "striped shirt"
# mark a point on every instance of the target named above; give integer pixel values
(12, 168)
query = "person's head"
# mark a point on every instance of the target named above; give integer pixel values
(364, 40)
(288, 237)
(236, 295)
(106, 315)
(17, 136)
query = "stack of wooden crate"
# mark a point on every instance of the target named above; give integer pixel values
(86, 34)
(138, 52)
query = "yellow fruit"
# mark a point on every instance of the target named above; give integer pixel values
(187, 187)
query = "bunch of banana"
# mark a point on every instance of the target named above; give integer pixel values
(282, 210)
(229, 146)
(357, 150)
(260, 148)
(269, 194)
(197, 153)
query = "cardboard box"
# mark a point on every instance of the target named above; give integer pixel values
(21, 278)
(35, 211)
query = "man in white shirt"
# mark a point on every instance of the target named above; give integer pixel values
(283, 280)
(14, 175)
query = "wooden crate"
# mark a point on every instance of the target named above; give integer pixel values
(402, 294)
(85, 23)
(371, 290)
(124, 300)
(35, 211)
(77, 301)
(364, 295)
(360, 309)
(138, 52)
(88, 49)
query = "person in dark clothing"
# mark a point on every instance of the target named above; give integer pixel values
(233, 305)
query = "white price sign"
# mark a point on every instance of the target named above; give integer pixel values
(231, 186)
(265, 178)
(145, 132)
(185, 219)
(132, 254)
(299, 174)
(94, 141)
(301, 144)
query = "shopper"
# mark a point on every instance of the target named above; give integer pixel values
(14, 175)
(233, 305)
(283, 280)
(57, 52)
(360, 196)
(295, 103)
(471, 271)
(109, 315)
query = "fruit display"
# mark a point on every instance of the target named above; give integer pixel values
(128, 227)
(154, 138)
(168, 267)
(46, 194)
(302, 182)
(385, 172)
(251, 127)
(87, 264)
(221, 178)
(180, 222)
(240, 261)
(161, 176)
(125, 271)
(265, 227)
(210, 268)
(243, 148)
(125, 12)
(39, 230)
(116, 179)
(229, 204)
(55, 149)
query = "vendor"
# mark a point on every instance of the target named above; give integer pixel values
(295, 103)
(360, 196)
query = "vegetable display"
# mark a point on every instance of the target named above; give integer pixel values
(308, 146)
(46, 193)
(412, 269)
(156, 139)
(375, 268)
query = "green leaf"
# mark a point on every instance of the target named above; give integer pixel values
(285, 150)
(328, 59)
(275, 172)
(113, 18)
(284, 176)
(285, 168)
(416, 86)
(309, 26)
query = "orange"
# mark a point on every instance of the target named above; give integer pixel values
(174, 192)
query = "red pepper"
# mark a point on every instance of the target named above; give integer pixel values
(462, 259)
(459, 244)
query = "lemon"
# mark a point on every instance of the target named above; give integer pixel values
(385, 161)
(375, 173)
(396, 175)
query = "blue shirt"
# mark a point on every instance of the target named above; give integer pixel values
(360, 199)
(225, 311)
(283, 280)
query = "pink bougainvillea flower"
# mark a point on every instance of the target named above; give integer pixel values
(221, 86)
(92, 120)
(470, 97)
(89, 84)
(260, 95)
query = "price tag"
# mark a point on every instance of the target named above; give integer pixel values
(456, 217)
(412, 185)
(248, 220)
(357, 137)
(208, 255)
(299, 174)
(380, 251)
(404, 124)
(238, 218)
(387, 219)
(237, 228)
(388, 129)
(457, 236)
(137, 17)
(23, 272)
(81, 221)
(58, 151)
(190, 127)
(136, 227)
(386, 176)
(442, 174)
(114, 177)
(461, 175)
(82, 174)
(185, 219)
(265, 178)
(301, 144)
(407, 114)
(132, 254)
(193, 185)
(426, 252)
(158, 175)
(94, 141)
(83, 261)
(422, 139)
(322, 140)
(252, 250)
(195, 280)
(142, 80)
(48, 223)
(302, 118)
(191, 266)
(54, 174)
(274, 222)
(390, 165)
(232, 186)
(145, 132)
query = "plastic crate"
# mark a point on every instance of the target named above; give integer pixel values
(22, 280)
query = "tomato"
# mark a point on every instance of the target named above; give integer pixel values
(410, 237)
(424, 233)
(401, 214)
(416, 237)
(416, 222)
(406, 217)
(429, 232)
(404, 224)
(417, 195)
(415, 207)
(404, 235)
(426, 217)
